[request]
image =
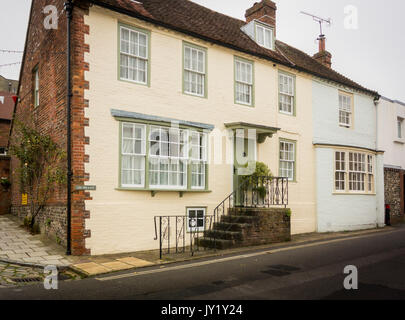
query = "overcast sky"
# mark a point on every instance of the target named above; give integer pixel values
(372, 55)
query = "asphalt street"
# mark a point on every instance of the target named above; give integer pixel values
(306, 271)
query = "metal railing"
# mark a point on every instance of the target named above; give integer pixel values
(255, 192)
(178, 234)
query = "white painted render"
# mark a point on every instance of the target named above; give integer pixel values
(388, 113)
(344, 211)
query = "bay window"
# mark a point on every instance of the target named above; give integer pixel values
(162, 158)
(354, 172)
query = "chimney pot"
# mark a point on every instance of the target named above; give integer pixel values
(323, 56)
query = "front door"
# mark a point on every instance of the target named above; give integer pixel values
(244, 161)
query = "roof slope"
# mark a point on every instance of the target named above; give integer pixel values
(189, 17)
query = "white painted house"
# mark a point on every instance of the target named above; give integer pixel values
(349, 165)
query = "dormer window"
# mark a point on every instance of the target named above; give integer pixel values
(264, 36)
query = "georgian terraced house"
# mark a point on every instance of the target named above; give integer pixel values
(163, 93)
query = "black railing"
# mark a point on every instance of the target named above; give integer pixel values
(178, 234)
(255, 192)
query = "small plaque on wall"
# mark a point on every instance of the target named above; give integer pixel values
(24, 199)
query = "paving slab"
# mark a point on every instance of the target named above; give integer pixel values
(92, 268)
(135, 262)
(117, 265)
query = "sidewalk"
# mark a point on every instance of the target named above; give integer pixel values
(95, 265)
(18, 246)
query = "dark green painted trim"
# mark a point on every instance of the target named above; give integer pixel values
(191, 45)
(147, 187)
(148, 33)
(295, 157)
(294, 114)
(237, 58)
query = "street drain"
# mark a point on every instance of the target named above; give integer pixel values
(26, 280)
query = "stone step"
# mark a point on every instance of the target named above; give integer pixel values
(239, 219)
(225, 235)
(216, 244)
(225, 226)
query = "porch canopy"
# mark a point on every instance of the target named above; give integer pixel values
(262, 131)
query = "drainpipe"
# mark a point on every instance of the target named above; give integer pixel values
(376, 103)
(69, 8)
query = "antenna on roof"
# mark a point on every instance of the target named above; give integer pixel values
(320, 21)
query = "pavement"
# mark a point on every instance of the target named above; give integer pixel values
(18, 246)
(305, 270)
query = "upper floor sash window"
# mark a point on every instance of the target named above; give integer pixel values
(194, 70)
(134, 53)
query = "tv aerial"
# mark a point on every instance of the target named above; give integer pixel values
(320, 20)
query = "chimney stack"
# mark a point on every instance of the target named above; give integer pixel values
(323, 56)
(264, 11)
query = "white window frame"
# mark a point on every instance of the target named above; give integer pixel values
(195, 229)
(345, 110)
(354, 170)
(136, 57)
(288, 161)
(169, 158)
(342, 163)
(142, 154)
(289, 93)
(200, 158)
(264, 29)
(194, 71)
(244, 82)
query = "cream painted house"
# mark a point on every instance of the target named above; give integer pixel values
(173, 105)
(123, 211)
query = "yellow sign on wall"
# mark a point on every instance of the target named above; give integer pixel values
(24, 199)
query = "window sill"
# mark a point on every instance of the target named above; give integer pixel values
(244, 104)
(145, 84)
(353, 194)
(400, 141)
(153, 191)
(286, 113)
(204, 96)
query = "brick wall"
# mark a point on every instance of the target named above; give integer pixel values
(4, 132)
(394, 192)
(46, 49)
(5, 193)
(270, 225)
